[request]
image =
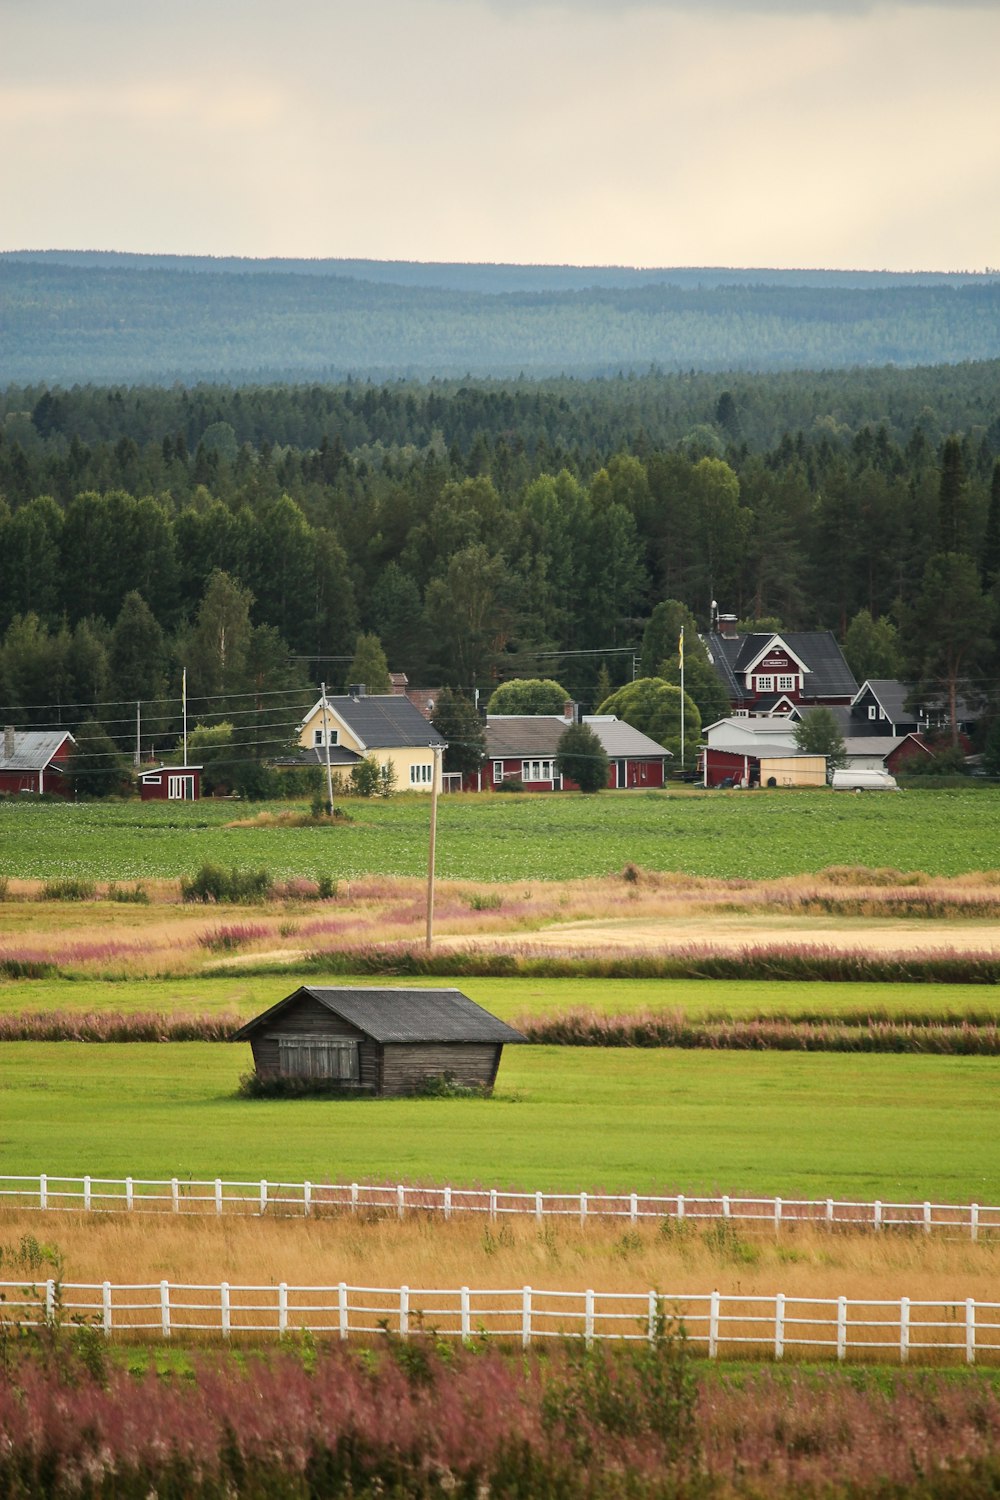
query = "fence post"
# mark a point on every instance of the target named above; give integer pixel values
(404, 1311)
(680, 1207)
(525, 1317)
(282, 1306)
(43, 1191)
(841, 1327)
(174, 1196)
(86, 1193)
(447, 1202)
(400, 1201)
(779, 1326)
(106, 1309)
(342, 1309)
(725, 1206)
(777, 1215)
(225, 1309)
(165, 1308)
(974, 1220)
(583, 1209)
(129, 1194)
(829, 1211)
(878, 1213)
(904, 1329)
(50, 1301)
(218, 1196)
(970, 1331)
(652, 1317)
(307, 1190)
(493, 1203)
(539, 1210)
(263, 1195)
(588, 1317)
(713, 1326)
(633, 1207)
(466, 1320)
(354, 1197)
(927, 1218)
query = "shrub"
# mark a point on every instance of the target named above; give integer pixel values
(326, 888)
(214, 884)
(68, 888)
(133, 895)
(255, 1085)
(445, 1086)
(510, 784)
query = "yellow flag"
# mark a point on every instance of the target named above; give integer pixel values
(680, 650)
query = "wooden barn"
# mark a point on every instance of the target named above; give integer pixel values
(170, 784)
(387, 1042)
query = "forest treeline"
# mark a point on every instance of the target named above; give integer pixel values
(481, 531)
(74, 319)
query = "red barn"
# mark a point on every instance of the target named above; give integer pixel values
(170, 784)
(35, 761)
(523, 747)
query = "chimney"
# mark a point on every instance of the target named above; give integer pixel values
(571, 711)
(8, 741)
(357, 689)
(727, 627)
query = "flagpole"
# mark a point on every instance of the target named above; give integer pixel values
(184, 706)
(680, 650)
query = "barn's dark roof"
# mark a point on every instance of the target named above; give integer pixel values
(385, 721)
(400, 1015)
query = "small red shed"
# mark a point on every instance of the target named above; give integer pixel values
(35, 761)
(170, 784)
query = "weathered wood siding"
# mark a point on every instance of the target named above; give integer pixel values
(407, 1066)
(307, 1017)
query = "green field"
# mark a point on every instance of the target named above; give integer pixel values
(810, 1125)
(509, 998)
(487, 838)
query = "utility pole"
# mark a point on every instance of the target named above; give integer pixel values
(184, 709)
(433, 841)
(680, 652)
(326, 742)
(138, 726)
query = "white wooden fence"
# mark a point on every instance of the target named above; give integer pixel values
(263, 1196)
(715, 1323)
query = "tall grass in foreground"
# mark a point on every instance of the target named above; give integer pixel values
(410, 1419)
(378, 1249)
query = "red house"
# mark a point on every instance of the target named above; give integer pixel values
(170, 784)
(770, 673)
(522, 748)
(35, 761)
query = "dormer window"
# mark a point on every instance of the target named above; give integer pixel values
(765, 683)
(332, 737)
(786, 684)
(872, 711)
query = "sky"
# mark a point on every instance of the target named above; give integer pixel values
(783, 133)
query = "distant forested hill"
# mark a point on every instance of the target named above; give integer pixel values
(69, 317)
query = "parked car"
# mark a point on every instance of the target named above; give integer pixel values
(863, 780)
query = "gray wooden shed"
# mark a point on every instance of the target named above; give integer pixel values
(379, 1041)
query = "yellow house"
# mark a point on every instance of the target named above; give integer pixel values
(385, 725)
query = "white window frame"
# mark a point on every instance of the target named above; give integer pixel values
(765, 682)
(872, 711)
(545, 770)
(787, 684)
(332, 738)
(422, 774)
(180, 788)
(497, 771)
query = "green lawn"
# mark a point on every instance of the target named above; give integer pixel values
(509, 998)
(493, 838)
(796, 1125)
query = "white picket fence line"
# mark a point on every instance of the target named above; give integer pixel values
(714, 1323)
(264, 1196)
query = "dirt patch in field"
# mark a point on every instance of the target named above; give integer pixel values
(731, 932)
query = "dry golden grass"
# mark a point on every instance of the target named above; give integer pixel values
(839, 908)
(427, 1251)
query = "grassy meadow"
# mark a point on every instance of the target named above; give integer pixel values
(797, 1125)
(730, 835)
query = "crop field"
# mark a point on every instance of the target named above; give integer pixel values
(798, 1125)
(732, 835)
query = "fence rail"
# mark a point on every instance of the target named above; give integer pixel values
(302, 1199)
(714, 1323)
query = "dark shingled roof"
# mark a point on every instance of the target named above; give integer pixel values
(401, 1015)
(385, 721)
(829, 676)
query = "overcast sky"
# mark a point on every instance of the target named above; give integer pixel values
(661, 132)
